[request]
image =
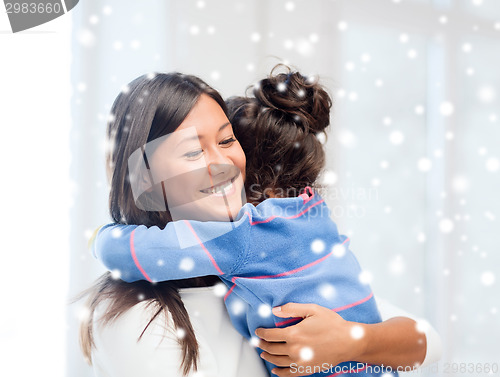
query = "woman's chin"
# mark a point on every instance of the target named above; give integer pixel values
(222, 208)
(209, 208)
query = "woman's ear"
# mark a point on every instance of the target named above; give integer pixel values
(149, 195)
(146, 180)
(140, 176)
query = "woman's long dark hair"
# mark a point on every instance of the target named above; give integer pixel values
(150, 107)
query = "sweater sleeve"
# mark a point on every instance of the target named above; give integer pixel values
(183, 249)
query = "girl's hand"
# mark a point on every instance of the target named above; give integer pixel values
(321, 340)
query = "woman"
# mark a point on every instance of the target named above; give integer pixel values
(152, 108)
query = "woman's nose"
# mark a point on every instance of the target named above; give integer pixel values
(218, 163)
(215, 170)
(217, 156)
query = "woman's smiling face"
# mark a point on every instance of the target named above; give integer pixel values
(201, 165)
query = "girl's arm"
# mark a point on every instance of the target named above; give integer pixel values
(396, 342)
(183, 249)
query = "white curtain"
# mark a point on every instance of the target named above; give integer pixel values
(413, 155)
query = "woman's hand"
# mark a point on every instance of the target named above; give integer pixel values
(324, 339)
(321, 340)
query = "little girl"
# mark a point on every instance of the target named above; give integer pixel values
(285, 248)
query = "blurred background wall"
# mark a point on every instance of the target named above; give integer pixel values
(413, 154)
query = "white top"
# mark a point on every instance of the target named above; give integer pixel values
(223, 351)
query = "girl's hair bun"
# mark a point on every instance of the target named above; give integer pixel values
(301, 100)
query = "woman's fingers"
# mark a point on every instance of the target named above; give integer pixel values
(272, 335)
(281, 361)
(293, 309)
(276, 348)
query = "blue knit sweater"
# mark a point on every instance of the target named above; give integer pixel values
(282, 250)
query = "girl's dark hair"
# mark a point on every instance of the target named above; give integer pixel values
(277, 128)
(150, 107)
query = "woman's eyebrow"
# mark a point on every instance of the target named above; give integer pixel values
(224, 126)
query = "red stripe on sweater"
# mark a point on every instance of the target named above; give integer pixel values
(204, 248)
(339, 309)
(281, 217)
(134, 257)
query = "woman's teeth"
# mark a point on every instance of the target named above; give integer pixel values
(222, 188)
(225, 188)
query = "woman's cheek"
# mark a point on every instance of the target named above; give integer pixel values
(183, 167)
(240, 158)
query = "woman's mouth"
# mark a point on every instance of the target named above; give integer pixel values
(225, 188)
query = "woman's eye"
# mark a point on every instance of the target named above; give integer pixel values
(193, 155)
(228, 141)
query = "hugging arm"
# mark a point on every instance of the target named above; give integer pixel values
(183, 249)
(433, 349)
(395, 342)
